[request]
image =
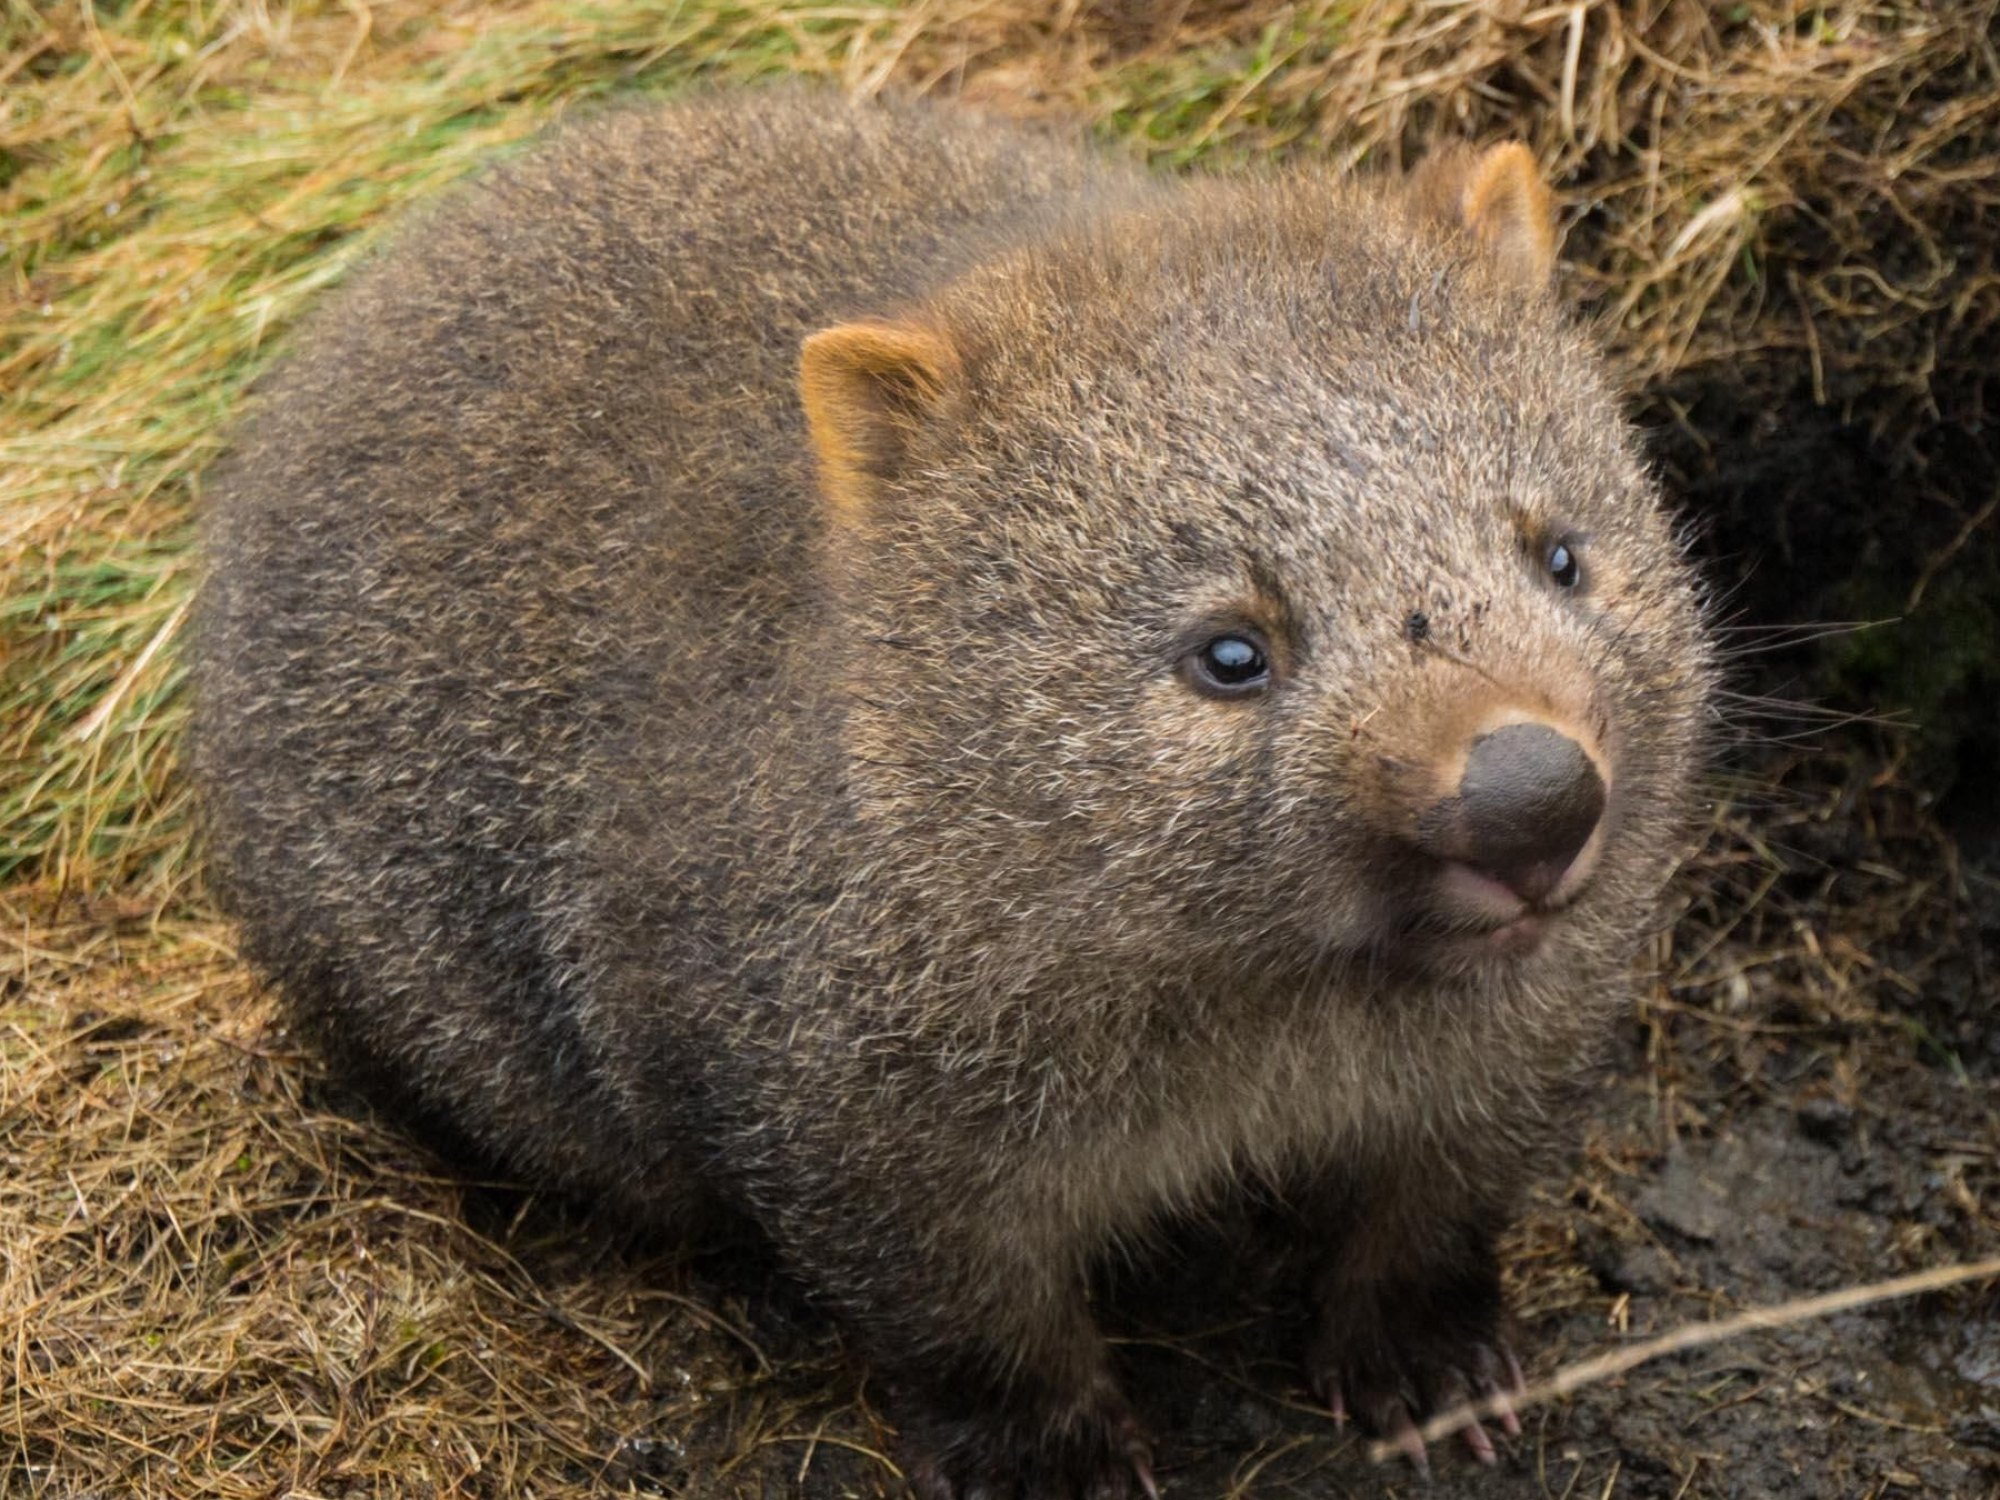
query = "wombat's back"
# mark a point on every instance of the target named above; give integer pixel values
(571, 382)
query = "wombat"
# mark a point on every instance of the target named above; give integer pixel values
(874, 668)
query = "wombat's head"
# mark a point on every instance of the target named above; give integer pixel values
(1260, 571)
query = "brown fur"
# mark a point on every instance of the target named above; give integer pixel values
(608, 797)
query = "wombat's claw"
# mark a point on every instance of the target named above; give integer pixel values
(1517, 1386)
(1404, 1431)
(1141, 1459)
(1388, 1404)
(1138, 1458)
(1387, 1417)
(1477, 1443)
(1493, 1375)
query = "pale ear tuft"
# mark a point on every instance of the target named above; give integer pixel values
(865, 387)
(1499, 198)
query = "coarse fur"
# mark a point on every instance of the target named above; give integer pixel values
(668, 823)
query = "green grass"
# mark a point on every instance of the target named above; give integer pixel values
(177, 186)
(1226, 104)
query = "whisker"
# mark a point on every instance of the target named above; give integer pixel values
(1762, 639)
(1736, 708)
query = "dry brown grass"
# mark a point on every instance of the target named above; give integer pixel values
(1788, 184)
(213, 1281)
(214, 1284)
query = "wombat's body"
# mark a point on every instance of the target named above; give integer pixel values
(1201, 690)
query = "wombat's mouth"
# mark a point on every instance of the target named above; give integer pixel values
(1487, 916)
(1466, 912)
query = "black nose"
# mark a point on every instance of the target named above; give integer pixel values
(1527, 803)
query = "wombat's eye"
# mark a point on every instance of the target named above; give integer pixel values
(1229, 666)
(1563, 565)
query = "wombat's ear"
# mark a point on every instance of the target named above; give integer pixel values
(866, 387)
(1497, 196)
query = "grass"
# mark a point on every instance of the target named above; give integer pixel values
(213, 1283)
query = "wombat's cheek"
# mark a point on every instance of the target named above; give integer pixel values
(1193, 741)
(1344, 889)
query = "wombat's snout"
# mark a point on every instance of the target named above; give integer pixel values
(1527, 803)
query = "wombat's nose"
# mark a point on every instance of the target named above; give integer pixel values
(1528, 801)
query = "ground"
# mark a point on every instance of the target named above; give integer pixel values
(220, 1276)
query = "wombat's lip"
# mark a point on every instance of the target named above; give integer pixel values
(1474, 893)
(1514, 939)
(1488, 918)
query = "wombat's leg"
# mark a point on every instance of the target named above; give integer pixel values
(975, 1434)
(1407, 1311)
(997, 1375)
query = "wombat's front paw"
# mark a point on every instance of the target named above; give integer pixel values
(1087, 1449)
(1391, 1379)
